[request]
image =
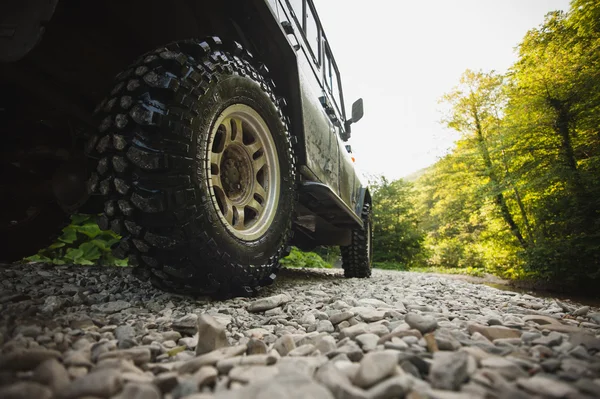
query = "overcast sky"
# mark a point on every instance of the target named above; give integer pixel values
(401, 56)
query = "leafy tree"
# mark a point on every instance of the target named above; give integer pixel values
(396, 234)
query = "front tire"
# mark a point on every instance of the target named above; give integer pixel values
(195, 161)
(356, 257)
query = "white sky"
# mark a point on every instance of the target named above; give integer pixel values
(401, 56)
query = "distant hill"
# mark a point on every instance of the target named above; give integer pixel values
(413, 177)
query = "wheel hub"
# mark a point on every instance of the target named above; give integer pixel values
(243, 172)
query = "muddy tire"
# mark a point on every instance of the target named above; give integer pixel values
(195, 159)
(356, 257)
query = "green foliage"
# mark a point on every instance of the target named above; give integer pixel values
(81, 243)
(297, 258)
(397, 237)
(390, 266)
(519, 196)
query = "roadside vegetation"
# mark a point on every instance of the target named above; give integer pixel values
(519, 195)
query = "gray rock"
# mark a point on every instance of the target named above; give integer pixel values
(166, 381)
(338, 383)
(52, 304)
(582, 311)
(284, 344)
(133, 390)
(423, 324)
(504, 367)
(354, 330)
(25, 390)
(139, 355)
(211, 335)
(102, 383)
(52, 374)
(187, 324)
(368, 342)
(111, 307)
(288, 385)
(126, 336)
(206, 375)
(585, 339)
(247, 374)
(325, 326)
(303, 350)
(26, 359)
(449, 370)
(256, 347)
(546, 386)
(551, 339)
(595, 317)
(271, 302)
(337, 318)
(326, 344)
(395, 387)
(375, 367)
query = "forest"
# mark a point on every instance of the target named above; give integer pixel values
(519, 194)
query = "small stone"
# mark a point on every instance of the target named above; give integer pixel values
(211, 335)
(256, 347)
(368, 315)
(595, 317)
(25, 390)
(247, 374)
(423, 324)
(375, 367)
(504, 367)
(26, 359)
(395, 387)
(337, 318)
(326, 344)
(582, 311)
(284, 345)
(211, 358)
(271, 302)
(540, 319)
(52, 304)
(111, 307)
(368, 341)
(354, 330)
(449, 370)
(529, 336)
(338, 383)
(494, 332)
(431, 342)
(53, 374)
(551, 339)
(102, 383)
(325, 326)
(546, 386)
(303, 350)
(206, 375)
(126, 336)
(138, 355)
(289, 385)
(166, 381)
(588, 340)
(136, 390)
(187, 324)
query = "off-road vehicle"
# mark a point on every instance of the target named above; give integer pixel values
(220, 146)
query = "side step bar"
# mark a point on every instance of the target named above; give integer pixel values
(321, 200)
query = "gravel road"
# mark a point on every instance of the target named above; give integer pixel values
(75, 332)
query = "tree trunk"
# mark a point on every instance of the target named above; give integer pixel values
(499, 199)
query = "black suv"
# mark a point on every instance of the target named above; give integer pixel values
(209, 156)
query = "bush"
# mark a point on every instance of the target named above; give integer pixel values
(297, 258)
(81, 243)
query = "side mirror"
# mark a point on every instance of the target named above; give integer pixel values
(357, 110)
(357, 114)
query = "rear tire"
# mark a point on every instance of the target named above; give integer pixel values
(356, 257)
(196, 163)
